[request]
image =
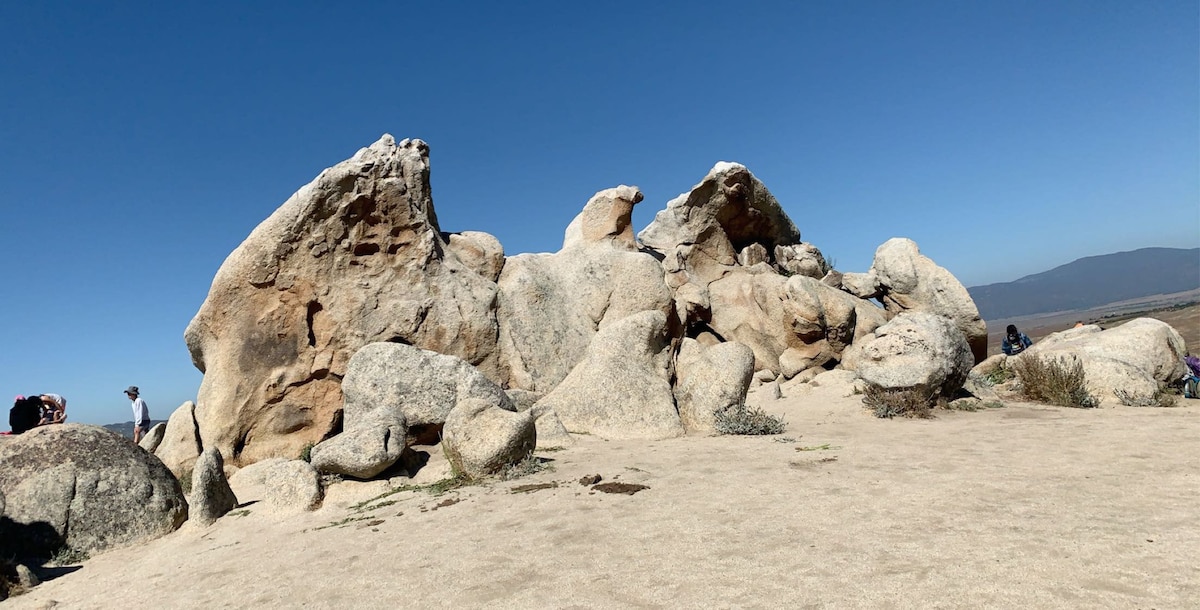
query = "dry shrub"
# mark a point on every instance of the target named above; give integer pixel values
(1053, 381)
(1161, 398)
(907, 402)
(748, 421)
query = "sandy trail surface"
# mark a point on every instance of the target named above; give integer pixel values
(1023, 506)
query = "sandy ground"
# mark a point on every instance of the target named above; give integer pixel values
(1024, 506)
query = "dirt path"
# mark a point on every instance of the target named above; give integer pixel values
(1024, 506)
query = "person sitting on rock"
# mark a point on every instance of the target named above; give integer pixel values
(54, 409)
(1014, 341)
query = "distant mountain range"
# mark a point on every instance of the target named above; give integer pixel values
(126, 429)
(1091, 282)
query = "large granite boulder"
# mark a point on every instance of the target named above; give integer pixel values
(211, 496)
(903, 279)
(86, 488)
(622, 387)
(550, 306)
(916, 351)
(354, 257)
(1136, 358)
(480, 439)
(180, 444)
(710, 380)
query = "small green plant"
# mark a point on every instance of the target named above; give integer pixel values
(1160, 398)
(239, 513)
(1053, 381)
(306, 453)
(887, 403)
(825, 447)
(999, 375)
(993, 404)
(743, 420)
(66, 555)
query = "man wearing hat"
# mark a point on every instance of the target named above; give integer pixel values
(141, 414)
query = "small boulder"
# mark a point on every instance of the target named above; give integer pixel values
(211, 495)
(916, 350)
(710, 380)
(154, 437)
(284, 485)
(480, 439)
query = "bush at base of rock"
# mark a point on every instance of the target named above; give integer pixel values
(743, 420)
(887, 403)
(1053, 381)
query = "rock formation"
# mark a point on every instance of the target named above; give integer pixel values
(85, 488)
(903, 279)
(355, 264)
(356, 256)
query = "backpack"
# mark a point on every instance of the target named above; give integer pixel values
(25, 414)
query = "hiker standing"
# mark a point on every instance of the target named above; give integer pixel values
(1014, 341)
(141, 414)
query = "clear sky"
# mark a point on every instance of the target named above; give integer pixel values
(142, 142)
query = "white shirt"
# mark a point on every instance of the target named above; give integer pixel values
(141, 413)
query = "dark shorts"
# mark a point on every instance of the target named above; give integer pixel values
(143, 426)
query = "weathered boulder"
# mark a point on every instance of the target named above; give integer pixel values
(283, 485)
(550, 306)
(903, 279)
(709, 380)
(919, 351)
(83, 487)
(1136, 358)
(621, 388)
(211, 495)
(480, 439)
(356, 256)
(153, 437)
(801, 259)
(551, 434)
(180, 445)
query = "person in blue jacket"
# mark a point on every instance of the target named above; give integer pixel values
(1015, 341)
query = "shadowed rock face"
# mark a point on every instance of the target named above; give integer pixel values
(85, 487)
(353, 257)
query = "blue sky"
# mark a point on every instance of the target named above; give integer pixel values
(142, 142)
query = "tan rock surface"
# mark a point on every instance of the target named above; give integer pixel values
(1021, 507)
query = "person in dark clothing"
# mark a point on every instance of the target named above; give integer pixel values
(1014, 341)
(25, 414)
